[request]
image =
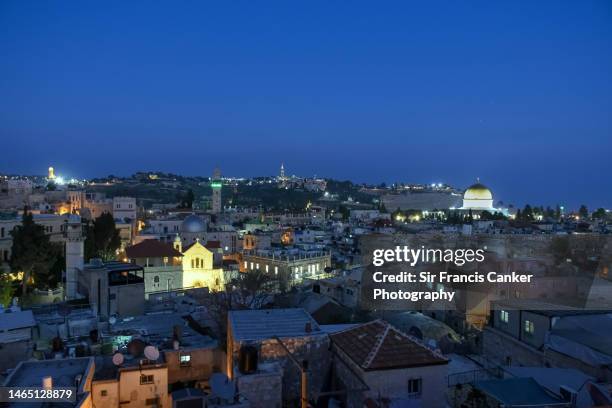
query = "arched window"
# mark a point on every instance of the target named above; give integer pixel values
(156, 279)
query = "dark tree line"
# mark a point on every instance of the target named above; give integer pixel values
(33, 255)
(102, 238)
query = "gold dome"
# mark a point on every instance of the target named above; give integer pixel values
(477, 192)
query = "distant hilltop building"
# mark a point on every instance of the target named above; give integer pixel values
(282, 171)
(422, 198)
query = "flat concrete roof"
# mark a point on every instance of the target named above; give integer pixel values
(267, 323)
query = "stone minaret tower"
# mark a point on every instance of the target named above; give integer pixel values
(74, 254)
(216, 184)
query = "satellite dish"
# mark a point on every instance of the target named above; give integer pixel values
(118, 359)
(112, 320)
(222, 387)
(151, 353)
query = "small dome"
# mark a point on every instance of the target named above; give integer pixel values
(477, 192)
(193, 223)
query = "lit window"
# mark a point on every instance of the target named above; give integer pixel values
(246, 264)
(503, 316)
(267, 268)
(529, 327)
(185, 359)
(414, 386)
(146, 379)
(276, 270)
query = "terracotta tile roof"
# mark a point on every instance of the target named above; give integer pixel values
(151, 248)
(379, 346)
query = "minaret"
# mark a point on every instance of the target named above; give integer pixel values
(51, 175)
(282, 171)
(74, 254)
(216, 184)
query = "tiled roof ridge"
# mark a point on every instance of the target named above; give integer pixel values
(359, 325)
(415, 340)
(379, 342)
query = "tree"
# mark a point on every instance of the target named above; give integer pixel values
(560, 249)
(528, 213)
(247, 291)
(583, 211)
(187, 199)
(6, 291)
(599, 214)
(33, 254)
(102, 238)
(558, 212)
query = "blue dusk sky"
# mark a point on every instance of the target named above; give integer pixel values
(518, 93)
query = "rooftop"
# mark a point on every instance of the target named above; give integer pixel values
(544, 308)
(267, 323)
(151, 248)
(16, 320)
(113, 266)
(517, 391)
(63, 372)
(158, 329)
(379, 346)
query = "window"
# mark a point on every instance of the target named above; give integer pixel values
(503, 316)
(414, 386)
(156, 279)
(529, 327)
(146, 379)
(185, 359)
(103, 393)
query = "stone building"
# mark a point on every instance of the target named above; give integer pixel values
(377, 364)
(288, 267)
(525, 332)
(113, 288)
(277, 373)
